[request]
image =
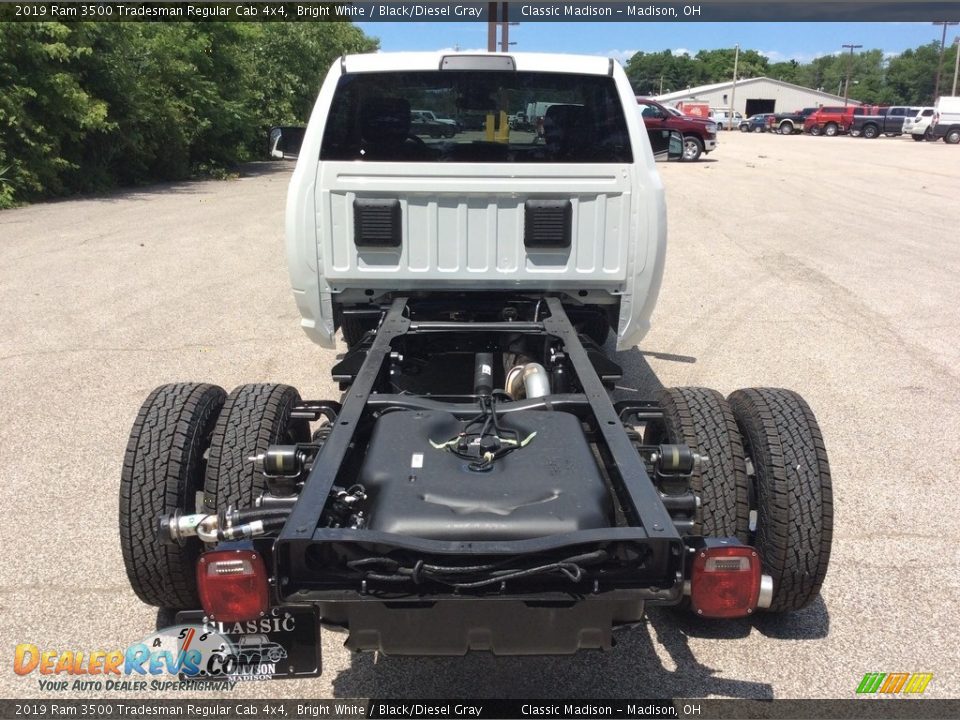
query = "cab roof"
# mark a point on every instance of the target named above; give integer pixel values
(528, 62)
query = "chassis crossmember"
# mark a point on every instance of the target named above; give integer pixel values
(643, 552)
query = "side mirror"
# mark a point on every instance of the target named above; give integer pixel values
(666, 145)
(284, 142)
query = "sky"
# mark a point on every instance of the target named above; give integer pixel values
(778, 41)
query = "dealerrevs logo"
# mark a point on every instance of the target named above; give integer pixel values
(185, 651)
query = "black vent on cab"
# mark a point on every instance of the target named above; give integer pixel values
(547, 223)
(376, 223)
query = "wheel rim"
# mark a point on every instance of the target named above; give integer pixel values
(831, 130)
(690, 149)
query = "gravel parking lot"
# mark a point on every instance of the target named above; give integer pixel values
(828, 265)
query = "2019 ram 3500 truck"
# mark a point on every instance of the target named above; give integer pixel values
(475, 487)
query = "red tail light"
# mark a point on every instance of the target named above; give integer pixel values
(233, 585)
(725, 581)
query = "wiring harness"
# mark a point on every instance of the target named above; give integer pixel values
(491, 442)
(392, 571)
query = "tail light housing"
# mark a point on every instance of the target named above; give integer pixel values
(725, 579)
(233, 585)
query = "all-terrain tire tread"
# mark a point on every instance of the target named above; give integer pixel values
(702, 419)
(254, 417)
(794, 491)
(162, 471)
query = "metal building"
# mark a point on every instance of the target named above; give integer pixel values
(755, 95)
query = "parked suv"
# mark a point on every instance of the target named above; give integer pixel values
(919, 127)
(699, 134)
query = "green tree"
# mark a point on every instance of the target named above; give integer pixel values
(88, 106)
(45, 111)
(717, 65)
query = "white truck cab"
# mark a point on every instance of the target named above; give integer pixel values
(575, 210)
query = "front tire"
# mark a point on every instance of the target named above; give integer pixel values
(692, 148)
(830, 130)
(253, 418)
(793, 491)
(918, 138)
(703, 420)
(815, 130)
(744, 128)
(162, 472)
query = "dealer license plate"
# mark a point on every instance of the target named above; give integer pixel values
(285, 643)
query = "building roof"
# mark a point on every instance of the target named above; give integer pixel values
(689, 92)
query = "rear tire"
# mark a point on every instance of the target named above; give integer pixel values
(952, 137)
(758, 129)
(702, 419)
(162, 472)
(786, 128)
(253, 418)
(870, 132)
(793, 491)
(918, 138)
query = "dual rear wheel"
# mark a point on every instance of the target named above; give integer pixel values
(767, 483)
(190, 442)
(188, 451)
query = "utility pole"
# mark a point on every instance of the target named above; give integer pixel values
(846, 85)
(492, 26)
(956, 65)
(943, 42)
(504, 27)
(733, 90)
(661, 85)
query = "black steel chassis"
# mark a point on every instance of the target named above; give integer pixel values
(305, 553)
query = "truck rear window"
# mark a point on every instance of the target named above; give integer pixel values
(476, 116)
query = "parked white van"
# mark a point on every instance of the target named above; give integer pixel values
(946, 120)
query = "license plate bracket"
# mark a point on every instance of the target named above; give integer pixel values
(285, 643)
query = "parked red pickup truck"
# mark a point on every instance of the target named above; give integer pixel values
(832, 121)
(699, 134)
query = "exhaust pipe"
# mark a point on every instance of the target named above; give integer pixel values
(527, 381)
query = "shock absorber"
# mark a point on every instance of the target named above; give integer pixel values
(483, 374)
